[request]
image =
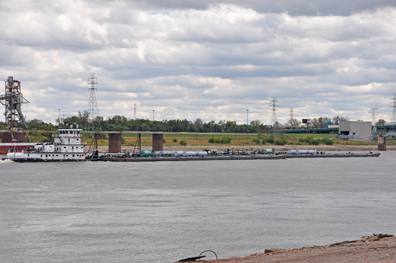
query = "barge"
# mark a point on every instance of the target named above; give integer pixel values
(195, 158)
(317, 154)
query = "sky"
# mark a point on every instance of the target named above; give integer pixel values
(207, 59)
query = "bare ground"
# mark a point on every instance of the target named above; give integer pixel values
(376, 248)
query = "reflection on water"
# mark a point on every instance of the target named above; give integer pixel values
(162, 212)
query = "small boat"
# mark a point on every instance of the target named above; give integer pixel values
(67, 146)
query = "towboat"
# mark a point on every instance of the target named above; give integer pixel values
(67, 146)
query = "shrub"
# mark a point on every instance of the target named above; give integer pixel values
(301, 140)
(183, 142)
(281, 142)
(212, 140)
(256, 141)
(309, 139)
(328, 141)
(122, 140)
(259, 135)
(225, 140)
(163, 141)
(263, 141)
(174, 140)
(315, 142)
(270, 140)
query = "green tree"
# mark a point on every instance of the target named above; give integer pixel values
(380, 122)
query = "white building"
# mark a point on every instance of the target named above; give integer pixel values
(355, 129)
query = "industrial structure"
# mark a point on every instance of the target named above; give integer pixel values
(13, 99)
(355, 129)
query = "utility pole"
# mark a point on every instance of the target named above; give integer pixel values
(247, 122)
(374, 111)
(291, 117)
(393, 102)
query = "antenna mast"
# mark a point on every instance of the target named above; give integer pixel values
(93, 105)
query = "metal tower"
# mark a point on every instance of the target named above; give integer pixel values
(134, 111)
(13, 100)
(393, 102)
(273, 108)
(374, 112)
(291, 114)
(93, 105)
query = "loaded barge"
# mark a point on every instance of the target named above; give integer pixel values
(214, 155)
(317, 154)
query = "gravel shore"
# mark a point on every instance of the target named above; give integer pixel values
(376, 248)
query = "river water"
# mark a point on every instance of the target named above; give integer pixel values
(163, 212)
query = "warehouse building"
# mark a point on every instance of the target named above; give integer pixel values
(355, 129)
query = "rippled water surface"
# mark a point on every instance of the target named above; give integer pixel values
(163, 212)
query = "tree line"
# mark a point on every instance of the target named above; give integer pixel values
(122, 123)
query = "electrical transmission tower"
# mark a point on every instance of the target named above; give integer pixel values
(374, 112)
(93, 105)
(393, 102)
(291, 116)
(273, 108)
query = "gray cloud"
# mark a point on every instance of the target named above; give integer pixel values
(292, 7)
(207, 59)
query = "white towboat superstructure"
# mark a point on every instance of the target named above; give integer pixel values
(67, 146)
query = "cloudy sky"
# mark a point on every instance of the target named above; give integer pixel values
(207, 59)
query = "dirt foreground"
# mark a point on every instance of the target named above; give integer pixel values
(376, 248)
(325, 148)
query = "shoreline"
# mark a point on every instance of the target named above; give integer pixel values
(376, 248)
(325, 148)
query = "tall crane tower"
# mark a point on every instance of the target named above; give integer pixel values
(13, 99)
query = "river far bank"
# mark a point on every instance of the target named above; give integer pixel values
(376, 248)
(325, 148)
